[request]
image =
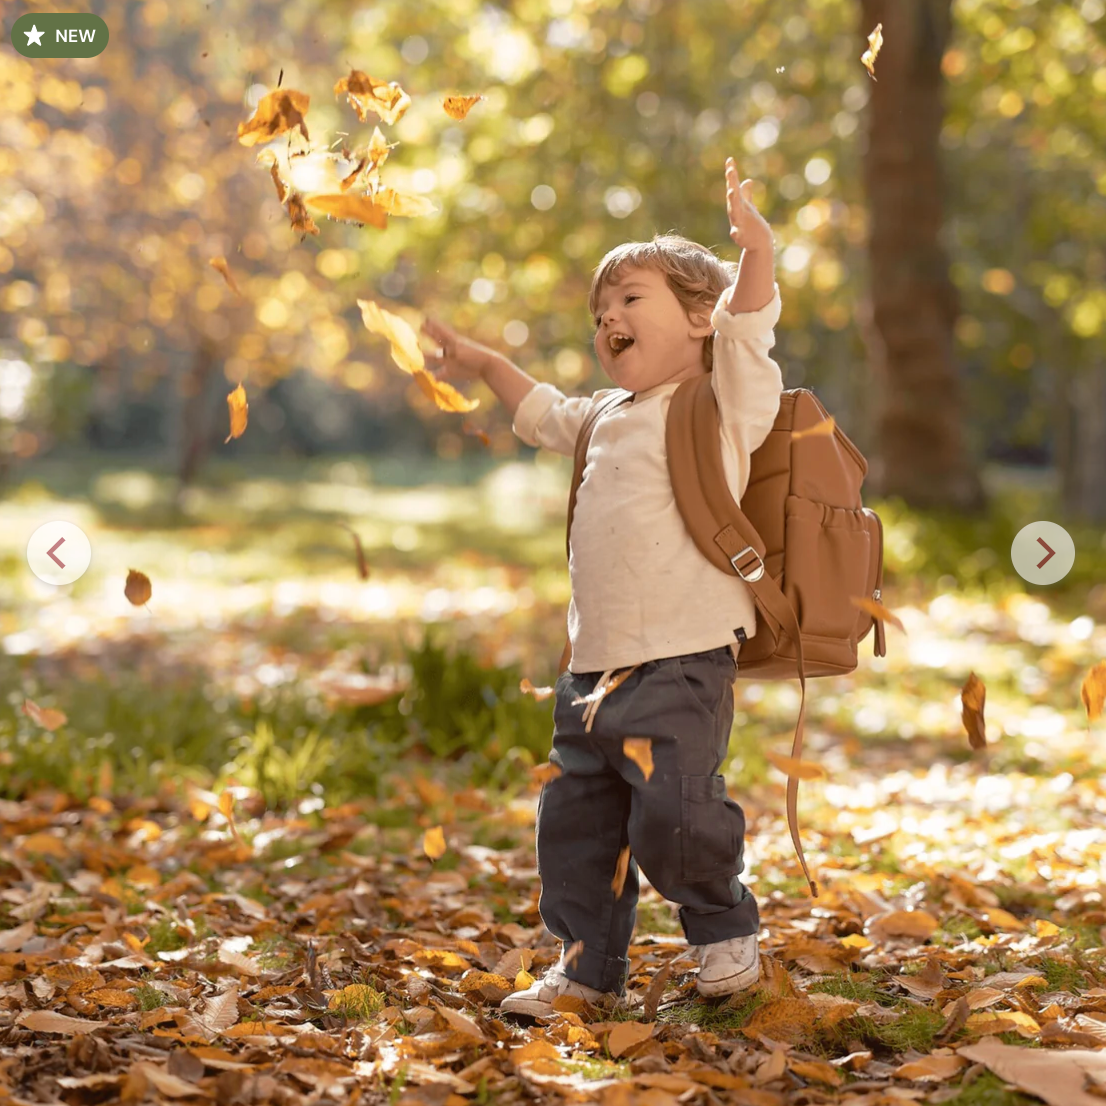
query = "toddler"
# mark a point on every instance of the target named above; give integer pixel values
(654, 627)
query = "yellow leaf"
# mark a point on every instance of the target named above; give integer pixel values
(523, 979)
(366, 94)
(457, 107)
(875, 44)
(1002, 919)
(444, 395)
(1093, 691)
(403, 203)
(1046, 928)
(220, 264)
(931, 1069)
(627, 1034)
(973, 695)
(144, 875)
(478, 981)
(620, 870)
(822, 429)
(534, 1050)
(46, 717)
(539, 693)
(640, 751)
(877, 610)
(226, 805)
(137, 588)
(1003, 1021)
(798, 769)
(353, 209)
(856, 941)
(433, 842)
(919, 924)
(239, 413)
(297, 213)
(277, 112)
(403, 340)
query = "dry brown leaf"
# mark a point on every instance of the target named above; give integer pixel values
(994, 1022)
(655, 991)
(799, 769)
(47, 717)
(875, 44)
(221, 1011)
(640, 751)
(820, 1070)
(627, 1034)
(877, 610)
(362, 564)
(973, 695)
(620, 870)
(919, 924)
(539, 693)
(457, 107)
(823, 429)
(239, 413)
(46, 1021)
(278, 112)
(460, 1023)
(928, 983)
(545, 773)
(1093, 691)
(220, 265)
(433, 842)
(297, 213)
(783, 1019)
(931, 1069)
(137, 589)
(12, 940)
(366, 94)
(534, 1050)
(353, 209)
(1059, 1076)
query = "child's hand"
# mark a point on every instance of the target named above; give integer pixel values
(748, 227)
(460, 358)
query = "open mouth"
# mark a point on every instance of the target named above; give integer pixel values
(619, 343)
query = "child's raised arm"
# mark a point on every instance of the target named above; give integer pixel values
(461, 359)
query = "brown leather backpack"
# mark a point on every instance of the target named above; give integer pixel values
(801, 540)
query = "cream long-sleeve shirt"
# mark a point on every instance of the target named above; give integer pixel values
(641, 590)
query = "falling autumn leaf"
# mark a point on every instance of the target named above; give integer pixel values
(444, 395)
(220, 265)
(403, 203)
(46, 717)
(433, 842)
(239, 413)
(366, 94)
(640, 751)
(539, 693)
(823, 429)
(545, 773)
(1093, 691)
(476, 433)
(877, 610)
(366, 172)
(972, 697)
(137, 588)
(298, 215)
(277, 113)
(875, 44)
(796, 769)
(353, 209)
(457, 107)
(362, 564)
(572, 953)
(620, 871)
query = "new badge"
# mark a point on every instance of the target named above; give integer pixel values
(59, 35)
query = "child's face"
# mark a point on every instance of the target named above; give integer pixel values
(667, 345)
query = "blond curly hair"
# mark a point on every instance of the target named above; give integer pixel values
(696, 276)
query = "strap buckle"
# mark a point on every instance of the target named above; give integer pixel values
(756, 573)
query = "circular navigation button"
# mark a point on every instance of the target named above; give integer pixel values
(1042, 552)
(59, 553)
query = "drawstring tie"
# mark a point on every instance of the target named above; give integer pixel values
(603, 688)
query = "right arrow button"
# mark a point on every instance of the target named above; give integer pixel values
(1059, 552)
(1051, 553)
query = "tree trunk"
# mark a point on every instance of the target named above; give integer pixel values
(1085, 475)
(194, 430)
(920, 447)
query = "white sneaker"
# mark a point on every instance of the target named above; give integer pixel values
(728, 966)
(537, 999)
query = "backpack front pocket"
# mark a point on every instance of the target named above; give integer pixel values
(828, 555)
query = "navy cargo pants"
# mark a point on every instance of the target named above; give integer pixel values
(683, 831)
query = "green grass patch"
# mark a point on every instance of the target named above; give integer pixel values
(149, 998)
(657, 917)
(358, 1002)
(1061, 975)
(274, 952)
(165, 936)
(590, 1068)
(858, 990)
(716, 1017)
(989, 1090)
(917, 1028)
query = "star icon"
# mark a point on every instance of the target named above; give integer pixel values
(34, 35)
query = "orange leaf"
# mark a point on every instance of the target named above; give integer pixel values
(875, 44)
(476, 432)
(46, 717)
(539, 693)
(823, 429)
(627, 1034)
(277, 113)
(297, 212)
(457, 107)
(620, 871)
(798, 769)
(226, 805)
(137, 588)
(544, 773)
(239, 413)
(877, 610)
(444, 395)
(433, 842)
(403, 340)
(403, 203)
(367, 171)
(640, 751)
(220, 264)
(931, 1069)
(819, 1070)
(972, 697)
(366, 94)
(353, 209)
(1093, 691)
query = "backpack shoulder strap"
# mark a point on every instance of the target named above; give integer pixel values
(602, 402)
(726, 537)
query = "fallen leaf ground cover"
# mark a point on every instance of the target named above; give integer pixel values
(216, 879)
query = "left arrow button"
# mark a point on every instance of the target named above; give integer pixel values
(43, 557)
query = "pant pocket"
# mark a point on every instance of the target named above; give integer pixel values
(711, 830)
